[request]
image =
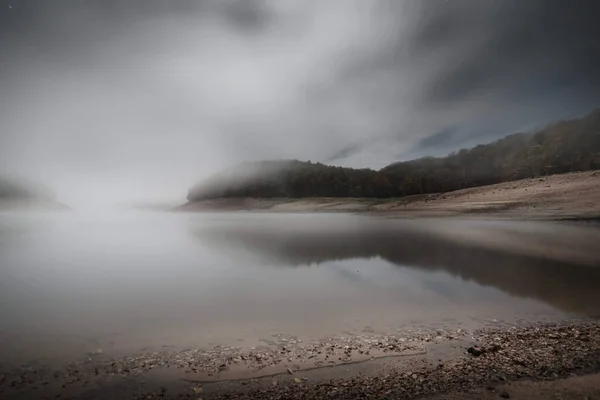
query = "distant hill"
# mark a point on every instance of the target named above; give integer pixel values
(14, 194)
(13, 191)
(566, 146)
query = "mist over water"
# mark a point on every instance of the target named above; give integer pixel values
(129, 282)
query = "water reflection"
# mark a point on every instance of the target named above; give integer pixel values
(130, 282)
(551, 278)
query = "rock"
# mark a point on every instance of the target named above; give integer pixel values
(289, 371)
(475, 351)
(504, 394)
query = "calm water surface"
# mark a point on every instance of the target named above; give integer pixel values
(137, 281)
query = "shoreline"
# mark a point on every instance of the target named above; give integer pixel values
(421, 365)
(571, 196)
(27, 205)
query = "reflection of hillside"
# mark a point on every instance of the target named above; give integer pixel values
(565, 286)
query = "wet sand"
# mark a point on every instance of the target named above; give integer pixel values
(563, 196)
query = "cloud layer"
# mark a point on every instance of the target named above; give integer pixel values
(120, 100)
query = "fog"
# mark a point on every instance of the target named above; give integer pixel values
(112, 101)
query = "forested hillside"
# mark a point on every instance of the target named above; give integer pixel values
(566, 146)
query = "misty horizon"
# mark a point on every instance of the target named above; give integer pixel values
(109, 102)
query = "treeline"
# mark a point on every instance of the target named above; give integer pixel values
(566, 146)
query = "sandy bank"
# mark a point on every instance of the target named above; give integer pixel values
(565, 196)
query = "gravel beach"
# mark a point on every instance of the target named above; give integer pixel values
(487, 362)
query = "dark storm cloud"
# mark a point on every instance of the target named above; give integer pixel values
(519, 47)
(512, 53)
(143, 97)
(462, 72)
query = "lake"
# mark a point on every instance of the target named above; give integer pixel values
(130, 282)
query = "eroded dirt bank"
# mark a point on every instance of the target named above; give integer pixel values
(564, 196)
(501, 361)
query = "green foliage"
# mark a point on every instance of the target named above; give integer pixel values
(566, 146)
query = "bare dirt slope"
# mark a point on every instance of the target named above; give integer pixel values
(573, 195)
(564, 196)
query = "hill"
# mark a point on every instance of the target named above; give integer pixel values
(18, 195)
(10, 190)
(566, 146)
(562, 196)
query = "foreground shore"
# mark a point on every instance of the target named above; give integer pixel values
(564, 196)
(504, 361)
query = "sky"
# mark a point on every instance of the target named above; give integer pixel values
(109, 101)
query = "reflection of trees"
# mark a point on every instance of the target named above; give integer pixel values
(565, 286)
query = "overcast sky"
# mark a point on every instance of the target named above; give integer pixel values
(108, 101)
